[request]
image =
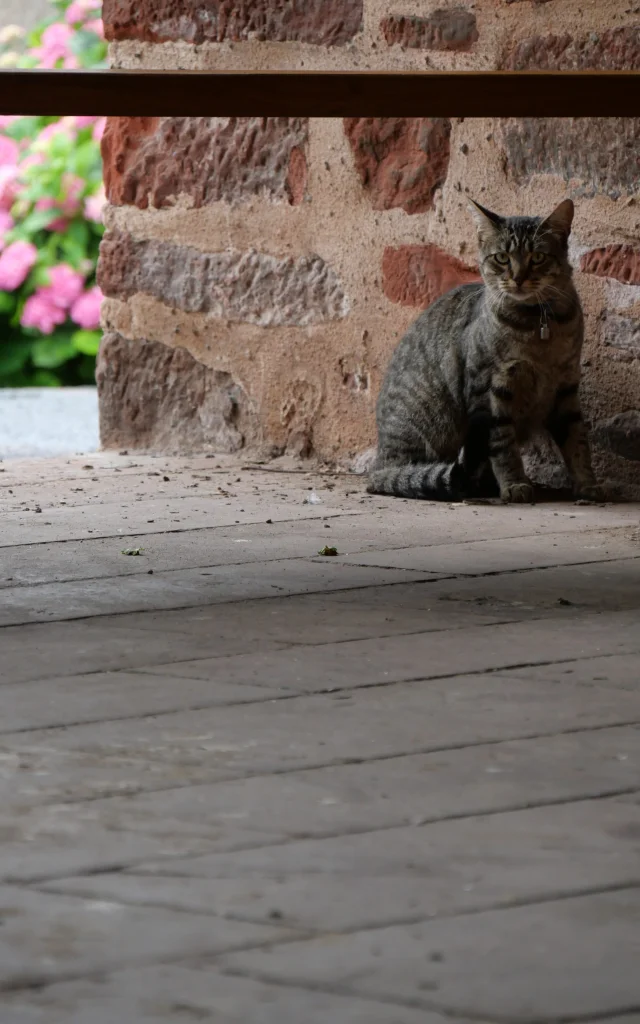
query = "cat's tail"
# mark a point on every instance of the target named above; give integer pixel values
(433, 481)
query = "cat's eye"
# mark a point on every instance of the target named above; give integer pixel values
(538, 257)
(502, 258)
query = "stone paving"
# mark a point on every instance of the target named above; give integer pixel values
(246, 783)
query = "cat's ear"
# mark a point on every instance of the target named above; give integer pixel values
(559, 222)
(487, 221)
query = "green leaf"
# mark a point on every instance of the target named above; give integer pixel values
(45, 379)
(36, 221)
(87, 342)
(48, 353)
(13, 356)
(7, 302)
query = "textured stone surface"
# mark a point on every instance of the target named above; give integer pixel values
(151, 161)
(416, 275)
(250, 287)
(619, 261)
(175, 993)
(152, 396)
(620, 433)
(401, 161)
(622, 332)
(614, 49)
(602, 153)
(323, 22)
(451, 29)
(458, 840)
(562, 960)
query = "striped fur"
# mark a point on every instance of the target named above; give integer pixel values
(476, 375)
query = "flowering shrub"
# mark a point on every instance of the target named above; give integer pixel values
(51, 199)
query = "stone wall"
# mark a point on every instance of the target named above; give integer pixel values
(260, 271)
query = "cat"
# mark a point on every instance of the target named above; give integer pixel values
(484, 368)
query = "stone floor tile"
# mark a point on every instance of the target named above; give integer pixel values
(51, 650)
(71, 700)
(347, 798)
(172, 993)
(46, 936)
(218, 743)
(355, 881)
(505, 554)
(566, 959)
(428, 655)
(611, 670)
(185, 587)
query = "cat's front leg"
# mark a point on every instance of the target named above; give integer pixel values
(504, 450)
(569, 431)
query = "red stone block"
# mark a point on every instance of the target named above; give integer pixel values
(621, 262)
(452, 29)
(149, 161)
(614, 49)
(417, 275)
(401, 161)
(323, 22)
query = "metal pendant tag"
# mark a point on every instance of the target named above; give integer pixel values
(544, 332)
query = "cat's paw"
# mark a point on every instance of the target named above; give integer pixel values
(519, 493)
(592, 492)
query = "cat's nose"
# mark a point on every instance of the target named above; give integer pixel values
(520, 277)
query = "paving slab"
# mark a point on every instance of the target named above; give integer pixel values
(45, 935)
(613, 670)
(558, 960)
(54, 649)
(423, 751)
(155, 995)
(355, 881)
(217, 742)
(184, 587)
(99, 696)
(428, 655)
(506, 554)
(335, 800)
(603, 586)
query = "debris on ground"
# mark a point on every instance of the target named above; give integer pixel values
(132, 551)
(326, 550)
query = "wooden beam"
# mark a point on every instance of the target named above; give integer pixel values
(322, 94)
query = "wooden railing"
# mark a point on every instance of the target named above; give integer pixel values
(322, 94)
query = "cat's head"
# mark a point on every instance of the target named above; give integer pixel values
(525, 259)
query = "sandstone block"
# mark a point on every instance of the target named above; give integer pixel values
(621, 262)
(620, 434)
(600, 152)
(156, 397)
(417, 275)
(323, 22)
(149, 161)
(614, 49)
(452, 29)
(251, 287)
(401, 161)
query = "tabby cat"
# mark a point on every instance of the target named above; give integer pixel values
(484, 368)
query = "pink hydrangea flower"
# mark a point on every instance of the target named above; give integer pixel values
(55, 43)
(94, 205)
(95, 26)
(41, 312)
(56, 223)
(8, 119)
(65, 285)
(15, 263)
(74, 13)
(8, 187)
(73, 188)
(98, 131)
(56, 128)
(86, 310)
(84, 121)
(9, 152)
(6, 223)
